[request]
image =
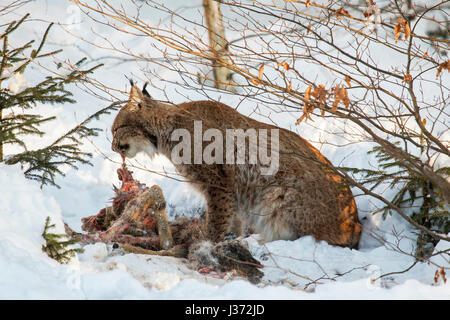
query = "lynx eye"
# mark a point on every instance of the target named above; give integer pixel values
(116, 129)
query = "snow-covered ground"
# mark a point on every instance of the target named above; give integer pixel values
(100, 273)
(300, 269)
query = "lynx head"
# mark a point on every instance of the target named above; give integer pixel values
(133, 128)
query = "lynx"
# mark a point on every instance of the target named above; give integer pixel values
(302, 197)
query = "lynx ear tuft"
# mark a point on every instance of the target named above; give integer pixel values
(136, 97)
(144, 90)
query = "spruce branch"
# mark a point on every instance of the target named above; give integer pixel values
(44, 164)
(414, 190)
(57, 246)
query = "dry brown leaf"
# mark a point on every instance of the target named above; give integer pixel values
(255, 82)
(289, 86)
(320, 94)
(346, 100)
(308, 29)
(407, 30)
(261, 71)
(424, 121)
(402, 26)
(425, 55)
(340, 95)
(370, 9)
(341, 12)
(307, 108)
(285, 65)
(444, 65)
(397, 31)
(407, 77)
(347, 80)
(307, 3)
(442, 272)
(335, 104)
(308, 93)
(436, 276)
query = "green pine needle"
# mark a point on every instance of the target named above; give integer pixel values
(56, 246)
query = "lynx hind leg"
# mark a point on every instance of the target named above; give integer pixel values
(273, 219)
(349, 225)
(219, 212)
(237, 225)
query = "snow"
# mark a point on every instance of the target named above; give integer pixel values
(103, 273)
(300, 269)
(18, 84)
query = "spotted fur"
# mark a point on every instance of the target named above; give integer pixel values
(304, 197)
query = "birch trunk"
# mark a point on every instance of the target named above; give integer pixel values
(1, 144)
(218, 45)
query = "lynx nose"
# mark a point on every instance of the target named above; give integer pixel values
(123, 147)
(120, 148)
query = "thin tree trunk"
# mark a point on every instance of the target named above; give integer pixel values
(1, 144)
(218, 45)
